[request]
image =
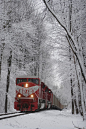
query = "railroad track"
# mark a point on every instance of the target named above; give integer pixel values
(10, 115)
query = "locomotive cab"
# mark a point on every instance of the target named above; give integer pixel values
(27, 94)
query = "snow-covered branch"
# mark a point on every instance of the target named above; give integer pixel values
(71, 40)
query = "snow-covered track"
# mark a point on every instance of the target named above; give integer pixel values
(10, 115)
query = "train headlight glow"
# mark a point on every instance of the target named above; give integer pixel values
(19, 96)
(26, 85)
(32, 96)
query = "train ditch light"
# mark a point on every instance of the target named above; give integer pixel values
(32, 96)
(19, 95)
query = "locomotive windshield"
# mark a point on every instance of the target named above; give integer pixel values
(21, 80)
(36, 81)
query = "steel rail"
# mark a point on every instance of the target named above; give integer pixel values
(8, 113)
(5, 117)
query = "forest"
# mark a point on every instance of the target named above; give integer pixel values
(44, 38)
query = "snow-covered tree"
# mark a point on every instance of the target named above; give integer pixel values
(22, 35)
(68, 15)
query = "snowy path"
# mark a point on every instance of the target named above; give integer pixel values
(49, 119)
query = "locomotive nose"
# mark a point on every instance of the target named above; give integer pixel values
(25, 105)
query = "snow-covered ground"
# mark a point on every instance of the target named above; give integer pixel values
(48, 119)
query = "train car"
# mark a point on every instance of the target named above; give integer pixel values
(56, 103)
(33, 95)
(46, 95)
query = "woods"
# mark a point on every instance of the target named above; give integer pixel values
(75, 50)
(45, 39)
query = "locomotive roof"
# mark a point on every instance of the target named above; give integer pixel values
(27, 76)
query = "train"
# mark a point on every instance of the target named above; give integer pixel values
(34, 95)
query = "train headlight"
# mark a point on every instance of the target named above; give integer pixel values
(19, 96)
(26, 85)
(32, 96)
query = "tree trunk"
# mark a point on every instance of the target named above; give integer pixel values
(76, 107)
(2, 48)
(79, 91)
(9, 61)
(72, 97)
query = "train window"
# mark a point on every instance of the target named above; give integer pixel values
(30, 80)
(46, 90)
(36, 81)
(19, 80)
(43, 86)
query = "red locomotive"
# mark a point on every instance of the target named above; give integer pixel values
(33, 95)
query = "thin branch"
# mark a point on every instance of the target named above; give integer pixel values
(68, 33)
(76, 126)
(71, 41)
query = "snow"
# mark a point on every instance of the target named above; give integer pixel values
(48, 119)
